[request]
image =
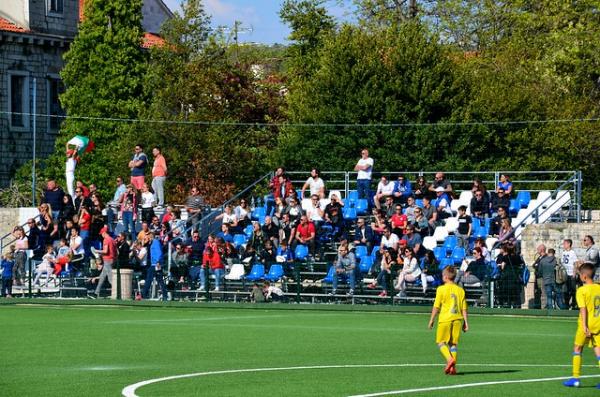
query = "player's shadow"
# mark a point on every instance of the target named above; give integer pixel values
(498, 371)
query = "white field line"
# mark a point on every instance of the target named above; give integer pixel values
(130, 391)
(465, 385)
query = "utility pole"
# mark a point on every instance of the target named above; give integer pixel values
(235, 31)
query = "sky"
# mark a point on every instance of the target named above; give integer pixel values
(259, 15)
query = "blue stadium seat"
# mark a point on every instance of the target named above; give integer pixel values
(248, 231)
(362, 207)
(360, 251)
(524, 198)
(366, 263)
(480, 230)
(493, 270)
(458, 254)
(239, 239)
(259, 212)
(450, 243)
(353, 195)
(419, 203)
(350, 214)
(330, 275)
(439, 253)
(301, 252)
(514, 207)
(374, 253)
(299, 193)
(445, 262)
(275, 273)
(257, 273)
(349, 203)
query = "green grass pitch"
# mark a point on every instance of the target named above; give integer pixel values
(65, 350)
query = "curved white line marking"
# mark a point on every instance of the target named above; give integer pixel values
(129, 391)
(465, 385)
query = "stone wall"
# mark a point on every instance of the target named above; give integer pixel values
(552, 236)
(31, 57)
(62, 24)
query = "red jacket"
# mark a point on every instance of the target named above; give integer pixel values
(276, 186)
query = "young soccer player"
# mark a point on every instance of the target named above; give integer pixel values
(451, 305)
(588, 327)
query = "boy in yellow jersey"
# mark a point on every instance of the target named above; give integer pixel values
(451, 305)
(588, 326)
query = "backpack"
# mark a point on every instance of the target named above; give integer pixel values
(560, 273)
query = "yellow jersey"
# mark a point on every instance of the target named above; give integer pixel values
(588, 296)
(450, 301)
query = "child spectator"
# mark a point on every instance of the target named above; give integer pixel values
(272, 293)
(45, 267)
(7, 265)
(256, 295)
(465, 227)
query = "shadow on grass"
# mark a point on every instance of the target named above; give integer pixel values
(499, 371)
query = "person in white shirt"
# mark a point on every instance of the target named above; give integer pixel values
(364, 167)
(315, 184)
(272, 293)
(70, 170)
(390, 241)
(410, 272)
(384, 189)
(147, 204)
(314, 212)
(569, 259)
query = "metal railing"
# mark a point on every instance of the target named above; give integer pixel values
(9, 238)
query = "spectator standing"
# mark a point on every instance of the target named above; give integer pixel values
(70, 165)
(33, 236)
(315, 184)
(123, 251)
(364, 167)
(591, 255)
(53, 196)
(194, 205)
(109, 254)
(155, 268)
(129, 210)
(159, 176)
(569, 260)
(81, 199)
(7, 265)
(465, 227)
(147, 202)
(138, 164)
(547, 268)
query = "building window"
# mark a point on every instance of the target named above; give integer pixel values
(55, 89)
(19, 100)
(55, 6)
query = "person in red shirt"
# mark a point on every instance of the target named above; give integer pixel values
(109, 254)
(306, 234)
(213, 261)
(84, 189)
(399, 221)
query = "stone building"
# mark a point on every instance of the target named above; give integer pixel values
(34, 35)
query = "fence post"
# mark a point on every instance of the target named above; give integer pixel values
(298, 282)
(29, 278)
(578, 195)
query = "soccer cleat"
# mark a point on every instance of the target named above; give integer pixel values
(573, 382)
(452, 371)
(449, 366)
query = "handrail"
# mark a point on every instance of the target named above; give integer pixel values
(2, 244)
(212, 214)
(535, 214)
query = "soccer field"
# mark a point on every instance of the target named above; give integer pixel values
(64, 350)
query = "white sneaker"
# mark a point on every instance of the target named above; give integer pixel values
(202, 289)
(217, 289)
(350, 293)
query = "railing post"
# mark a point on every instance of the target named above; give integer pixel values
(578, 195)
(298, 282)
(29, 277)
(347, 183)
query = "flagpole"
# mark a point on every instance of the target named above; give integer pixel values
(34, 139)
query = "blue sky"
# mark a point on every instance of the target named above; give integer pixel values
(261, 15)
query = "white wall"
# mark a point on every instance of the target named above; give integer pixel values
(16, 11)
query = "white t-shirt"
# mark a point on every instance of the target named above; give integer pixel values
(391, 242)
(366, 174)
(313, 213)
(78, 241)
(229, 218)
(315, 185)
(568, 260)
(147, 200)
(386, 190)
(70, 166)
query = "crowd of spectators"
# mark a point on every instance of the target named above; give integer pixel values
(71, 230)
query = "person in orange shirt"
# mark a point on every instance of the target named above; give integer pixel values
(159, 175)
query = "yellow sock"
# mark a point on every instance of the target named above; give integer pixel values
(576, 365)
(454, 353)
(445, 352)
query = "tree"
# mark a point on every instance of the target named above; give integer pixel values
(104, 75)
